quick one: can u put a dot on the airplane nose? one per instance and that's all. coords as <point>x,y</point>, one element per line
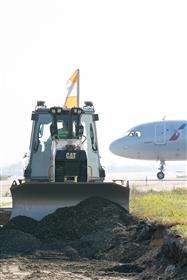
<point>117,146</point>
<point>113,147</point>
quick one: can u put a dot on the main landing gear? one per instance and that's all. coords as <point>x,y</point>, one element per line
<point>160,174</point>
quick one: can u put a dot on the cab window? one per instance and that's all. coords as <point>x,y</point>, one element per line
<point>134,133</point>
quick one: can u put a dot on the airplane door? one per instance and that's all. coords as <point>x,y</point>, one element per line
<point>160,134</point>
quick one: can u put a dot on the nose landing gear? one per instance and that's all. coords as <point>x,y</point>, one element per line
<point>160,174</point>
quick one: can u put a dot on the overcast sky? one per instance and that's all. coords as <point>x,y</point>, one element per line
<point>131,55</point>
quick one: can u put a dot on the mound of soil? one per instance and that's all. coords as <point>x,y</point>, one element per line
<point>17,242</point>
<point>175,249</point>
<point>95,229</point>
<point>87,227</point>
<point>88,217</point>
<point>22,223</point>
<point>92,228</point>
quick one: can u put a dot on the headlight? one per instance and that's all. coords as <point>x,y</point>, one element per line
<point>59,110</point>
<point>56,110</point>
<point>53,110</point>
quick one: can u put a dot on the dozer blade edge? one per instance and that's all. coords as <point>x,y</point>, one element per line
<point>38,199</point>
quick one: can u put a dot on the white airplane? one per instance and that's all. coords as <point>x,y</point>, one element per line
<point>162,140</point>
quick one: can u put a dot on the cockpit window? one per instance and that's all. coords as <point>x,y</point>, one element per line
<point>134,133</point>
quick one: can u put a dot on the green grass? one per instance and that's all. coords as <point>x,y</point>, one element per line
<point>181,230</point>
<point>5,204</point>
<point>168,208</point>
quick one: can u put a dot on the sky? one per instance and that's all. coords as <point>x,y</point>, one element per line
<point>132,57</point>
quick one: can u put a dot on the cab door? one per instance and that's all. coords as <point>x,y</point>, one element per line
<point>41,148</point>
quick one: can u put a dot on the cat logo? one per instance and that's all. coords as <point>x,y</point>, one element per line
<point>70,155</point>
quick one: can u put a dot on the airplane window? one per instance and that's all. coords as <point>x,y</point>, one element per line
<point>138,133</point>
<point>134,133</point>
<point>126,133</point>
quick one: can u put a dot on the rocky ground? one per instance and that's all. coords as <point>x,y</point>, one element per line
<point>96,239</point>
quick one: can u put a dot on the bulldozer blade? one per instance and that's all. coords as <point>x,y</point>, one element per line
<point>36,200</point>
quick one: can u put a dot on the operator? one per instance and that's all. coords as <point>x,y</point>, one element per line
<point>63,132</point>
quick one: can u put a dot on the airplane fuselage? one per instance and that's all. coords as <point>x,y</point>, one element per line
<point>163,141</point>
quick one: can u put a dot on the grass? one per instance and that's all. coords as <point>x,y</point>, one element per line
<point>168,208</point>
<point>5,204</point>
<point>181,230</point>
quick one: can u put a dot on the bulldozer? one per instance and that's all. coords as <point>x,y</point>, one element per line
<point>63,164</point>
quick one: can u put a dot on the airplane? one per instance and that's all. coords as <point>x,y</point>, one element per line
<point>163,141</point>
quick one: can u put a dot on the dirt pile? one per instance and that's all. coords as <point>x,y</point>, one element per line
<point>17,242</point>
<point>94,229</point>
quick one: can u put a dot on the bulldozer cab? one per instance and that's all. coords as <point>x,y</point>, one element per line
<point>58,128</point>
<point>53,124</point>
